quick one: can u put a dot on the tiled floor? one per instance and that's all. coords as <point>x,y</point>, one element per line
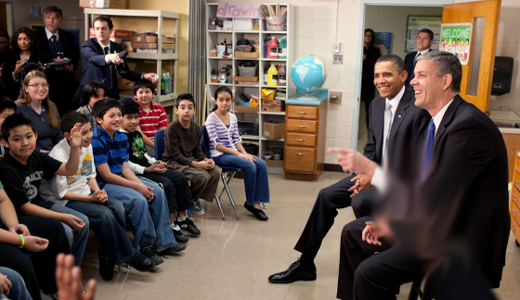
<point>232,259</point>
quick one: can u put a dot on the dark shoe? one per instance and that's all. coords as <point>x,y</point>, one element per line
<point>187,225</point>
<point>150,253</point>
<point>141,263</point>
<point>258,213</point>
<point>106,265</point>
<point>173,249</point>
<point>179,236</point>
<point>296,272</point>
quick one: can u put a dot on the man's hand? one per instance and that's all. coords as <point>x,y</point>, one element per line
<point>351,160</point>
<point>75,135</point>
<point>372,233</point>
<point>114,58</point>
<point>20,229</point>
<point>155,168</point>
<point>35,244</point>
<point>150,76</point>
<point>72,221</point>
<point>361,182</point>
<point>68,278</point>
<point>5,284</point>
<point>146,191</point>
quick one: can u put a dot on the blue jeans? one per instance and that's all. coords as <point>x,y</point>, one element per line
<point>18,291</point>
<point>255,176</point>
<point>77,238</point>
<point>108,221</point>
<point>150,220</point>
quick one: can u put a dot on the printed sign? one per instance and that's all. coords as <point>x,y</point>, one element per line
<point>456,38</point>
<point>415,24</point>
<point>239,11</point>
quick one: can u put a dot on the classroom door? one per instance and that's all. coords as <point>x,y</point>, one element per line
<point>477,75</point>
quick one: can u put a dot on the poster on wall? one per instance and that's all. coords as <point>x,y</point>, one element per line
<point>456,38</point>
<point>414,24</point>
<point>383,41</point>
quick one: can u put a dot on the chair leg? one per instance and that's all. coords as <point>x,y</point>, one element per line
<point>229,193</point>
<point>415,290</point>
<point>220,207</point>
<point>228,175</point>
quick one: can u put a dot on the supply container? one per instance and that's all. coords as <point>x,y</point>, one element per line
<point>275,23</point>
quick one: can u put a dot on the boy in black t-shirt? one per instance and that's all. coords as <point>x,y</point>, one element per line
<point>175,184</point>
<point>22,170</point>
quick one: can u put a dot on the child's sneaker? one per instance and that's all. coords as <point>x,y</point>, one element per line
<point>179,236</point>
<point>188,226</point>
<point>149,252</point>
<point>197,208</point>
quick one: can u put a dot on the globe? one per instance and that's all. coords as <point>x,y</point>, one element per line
<point>308,74</point>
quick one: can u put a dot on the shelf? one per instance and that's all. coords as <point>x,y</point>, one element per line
<point>220,58</point>
<point>275,32</point>
<point>220,84</point>
<point>274,86</point>
<point>282,113</point>
<point>133,13</point>
<point>280,140</point>
<point>166,97</point>
<point>250,137</point>
<point>274,59</point>
<point>247,85</point>
<point>246,31</point>
<point>220,31</point>
<point>153,56</point>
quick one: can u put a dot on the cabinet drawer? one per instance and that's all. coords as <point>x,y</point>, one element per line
<point>516,173</point>
<point>515,213</point>
<point>302,112</point>
<point>300,139</point>
<point>300,159</point>
<point>515,198</point>
<point>302,126</point>
<point>515,229</point>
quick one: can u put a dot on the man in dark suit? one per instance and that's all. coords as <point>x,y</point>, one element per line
<point>424,44</point>
<point>393,114</point>
<point>101,61</point>
<point>449,217</point>
<point>58,44</point>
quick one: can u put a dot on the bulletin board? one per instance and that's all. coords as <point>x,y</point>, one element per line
<point>414,24</point>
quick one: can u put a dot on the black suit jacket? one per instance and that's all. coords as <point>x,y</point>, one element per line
<point>464,198</point>
<point>94,68</point>
<point>408,121</point>
<point>67,45</point>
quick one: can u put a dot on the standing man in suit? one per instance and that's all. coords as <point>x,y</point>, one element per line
<point>59,44</point>
<point>101,61</point>
<point>393,114</point>
<point>424,44</point>
<point>452,213</point>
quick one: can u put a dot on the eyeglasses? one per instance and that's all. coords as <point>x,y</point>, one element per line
<point>37,86</point>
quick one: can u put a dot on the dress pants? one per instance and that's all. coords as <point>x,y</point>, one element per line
<point>176,189</point>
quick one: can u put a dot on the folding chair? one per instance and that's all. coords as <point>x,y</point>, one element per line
<point>227,174</point>
<point>159,144</point>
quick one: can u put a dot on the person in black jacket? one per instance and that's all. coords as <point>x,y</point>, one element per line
<point>59,44</point>
<point>370,56</point>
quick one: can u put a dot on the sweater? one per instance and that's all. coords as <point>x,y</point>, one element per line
<point>182,145</point>
<point>218,133</point>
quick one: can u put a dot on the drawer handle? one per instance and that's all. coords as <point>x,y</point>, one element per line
<point>302,113</point>
<point>300,153</point>
<point>515,198</point>
<point>301,126</point>
<point>300,140</point>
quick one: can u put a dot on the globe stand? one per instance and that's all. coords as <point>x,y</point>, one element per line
<point>317,96</point>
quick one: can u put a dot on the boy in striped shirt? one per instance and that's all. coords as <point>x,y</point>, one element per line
<point>152,117</point>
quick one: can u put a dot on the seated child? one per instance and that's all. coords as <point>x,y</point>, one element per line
<point>144,202</point>
<point>183,151</point>
<point>226,149</point>
<point>7,108</point>
<point>92,93</point>
<point>81,192</point>
<point>22,170</point>
<point>175,184</point>
<point>152,117</point>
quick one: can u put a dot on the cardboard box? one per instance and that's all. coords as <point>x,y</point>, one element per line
<point>121,4</point>
<point>168,46</point>
<point>246,54</point>
<point>116,33</point>
<point>274,162</point>
<point>125,84</point>
<point>246,109</point>
<point>139,38</point>
<point>168,39</point>
<point>273,105</point>
<point>144,45</point>
<point>273,131</point>
<point>243,24</point>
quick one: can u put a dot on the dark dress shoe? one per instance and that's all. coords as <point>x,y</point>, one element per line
<point>258,213</point>
<point>296,272</point>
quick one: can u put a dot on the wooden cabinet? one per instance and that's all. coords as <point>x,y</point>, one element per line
<point>305,127</point>
<point>514,203</point>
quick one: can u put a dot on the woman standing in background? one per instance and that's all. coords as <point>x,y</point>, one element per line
<point>370,56</point>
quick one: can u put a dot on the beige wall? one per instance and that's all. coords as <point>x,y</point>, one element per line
<point>393,19</point>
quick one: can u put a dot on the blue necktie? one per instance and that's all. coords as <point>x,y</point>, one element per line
<point>412,75</point>
<point>428,150</point>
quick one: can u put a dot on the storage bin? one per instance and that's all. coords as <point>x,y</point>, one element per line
<point>247,71</point>
<point>251,148</point>
<point>275,23</point>
<point>247,128</point>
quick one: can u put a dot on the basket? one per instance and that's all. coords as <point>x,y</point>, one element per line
<point>275,23</point>
<point>247,71</point>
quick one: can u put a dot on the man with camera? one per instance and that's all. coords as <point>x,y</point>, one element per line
<point>59,44</point>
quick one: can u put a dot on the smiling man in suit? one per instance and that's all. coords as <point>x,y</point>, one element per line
<point>392,114</point>
<point>101,61</point>
<point>59,44</point>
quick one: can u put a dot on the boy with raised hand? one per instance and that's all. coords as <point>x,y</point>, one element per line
<point>23,169</point>
<point>183,151</point>
<point>81,192</point>
<point>175,184</point>
<point>144,202</point>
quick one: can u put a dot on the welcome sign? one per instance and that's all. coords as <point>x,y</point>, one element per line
<point>456,38</point>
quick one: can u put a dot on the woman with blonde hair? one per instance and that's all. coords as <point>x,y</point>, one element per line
<point>34,104</point>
